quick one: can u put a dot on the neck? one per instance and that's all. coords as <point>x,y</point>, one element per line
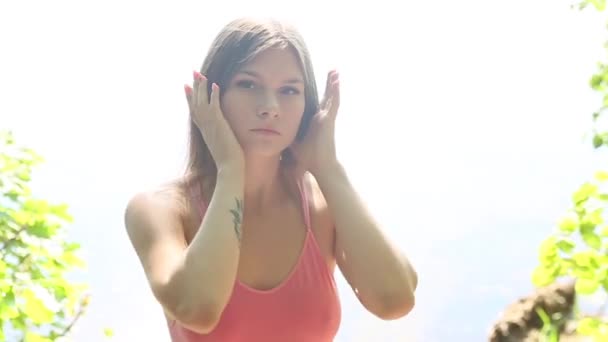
<point>262,182</point>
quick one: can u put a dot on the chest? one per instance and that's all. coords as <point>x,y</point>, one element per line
<point>301,313</point>
<point>271,247</point>
<point>272,244</point>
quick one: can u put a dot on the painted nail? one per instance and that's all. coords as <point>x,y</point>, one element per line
<point>188,89</point>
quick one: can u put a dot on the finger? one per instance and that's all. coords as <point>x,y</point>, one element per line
<point>200,90</point>
<point>326,94</point>
<point>335,98</point>
<point>214,103</point>
<point>188,91</point>
<point>195,83</point>
<point>328,82</point>
<point>336,90</point>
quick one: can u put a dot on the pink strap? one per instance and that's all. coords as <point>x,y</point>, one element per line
<point>305,206</point>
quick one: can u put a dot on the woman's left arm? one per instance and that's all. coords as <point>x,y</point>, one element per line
<point>380,275</point>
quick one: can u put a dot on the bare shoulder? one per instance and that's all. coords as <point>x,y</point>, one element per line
<point>154,217</point>
<point>166,199</point>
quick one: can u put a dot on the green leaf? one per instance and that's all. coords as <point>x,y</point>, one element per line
<point>586,259</point>
<point>599,5</point>
<point>597,141</point>
<point>565,245</point>
<point>3,269</point>
<point>542,276</point>
<point>107,332</point>
<point>595,82</point>
<point>19,322</point>
<point>569,223</point>
<point>586,286</point>
<point>587,227</point>
<point>548,251</point>
<point>42,229</point>
<point>605,283</point>
<point>595,217</point>
<point>71,246</point>
<point>601,176</point>
<point>592,240</point>
<point>588,326</point>
<point>583,272</point>
<point>71,259</point>
<point>8,309</point>
<point>604,231</point>
<point>21,218</point>
<point>34,337</point>
<point>60,290</point>
<point>36,206</point>
<point>584,192</point>
<point>24,176</point>
<point>35,308</point>
<point>61,211</point>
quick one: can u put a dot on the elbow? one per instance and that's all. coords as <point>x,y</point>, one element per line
<point>200,316</point>
<point>394,306</point>
<point>201,319</point>
<point>396,301</point>
<point>413,280</point>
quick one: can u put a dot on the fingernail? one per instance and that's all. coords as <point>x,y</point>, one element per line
<point>215,87</point>
<point>188,89</point>
<point>197,76</point>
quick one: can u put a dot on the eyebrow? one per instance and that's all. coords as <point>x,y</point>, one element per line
<point>256,75</point>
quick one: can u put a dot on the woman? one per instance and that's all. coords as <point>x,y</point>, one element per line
<point>243,248</point>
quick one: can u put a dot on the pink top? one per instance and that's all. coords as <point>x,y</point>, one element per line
<point>303,308</point>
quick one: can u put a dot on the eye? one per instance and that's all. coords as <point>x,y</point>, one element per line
<point>290,91</point>
<point>247,84</point>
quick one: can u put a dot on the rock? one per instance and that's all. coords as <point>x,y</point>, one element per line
<point>520,321</point>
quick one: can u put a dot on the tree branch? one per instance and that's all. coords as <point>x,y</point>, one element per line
<point>9,242</point>
<point>68,328</point>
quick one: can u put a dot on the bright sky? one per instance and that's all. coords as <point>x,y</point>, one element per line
<point>461,123</point>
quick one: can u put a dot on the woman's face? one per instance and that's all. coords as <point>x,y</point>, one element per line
<point>264,102</point>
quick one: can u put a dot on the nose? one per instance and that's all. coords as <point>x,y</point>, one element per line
<point>268,105</point>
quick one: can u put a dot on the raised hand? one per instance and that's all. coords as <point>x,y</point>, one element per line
<point>318,149</point>
<point>206,113</point>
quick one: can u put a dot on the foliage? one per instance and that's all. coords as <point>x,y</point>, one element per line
<point>579,247</point>
<point>37,301</point>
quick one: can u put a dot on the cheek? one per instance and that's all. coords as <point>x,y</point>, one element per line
<point>294,110</point>
<point>233,107</point>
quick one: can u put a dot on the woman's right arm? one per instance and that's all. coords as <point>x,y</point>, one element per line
<point>192,282</point>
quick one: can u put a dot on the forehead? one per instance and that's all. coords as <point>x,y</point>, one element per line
<point>275,62</point>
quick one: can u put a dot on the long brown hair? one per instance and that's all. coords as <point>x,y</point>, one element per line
<point>239,42</point>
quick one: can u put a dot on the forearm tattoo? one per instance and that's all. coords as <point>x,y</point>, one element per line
<point>237,218</point>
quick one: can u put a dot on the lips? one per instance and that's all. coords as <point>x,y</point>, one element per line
<point>268,131</point>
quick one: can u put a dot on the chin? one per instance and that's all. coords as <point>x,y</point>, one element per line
<point>264,153</point>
